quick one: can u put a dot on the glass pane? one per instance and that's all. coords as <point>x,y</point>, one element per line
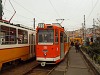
<point>8,35</point>
<point>22,36</point>
<point>46,36</point>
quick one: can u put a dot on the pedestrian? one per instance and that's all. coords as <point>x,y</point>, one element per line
<point>72,43</point>
<point>77,48</point>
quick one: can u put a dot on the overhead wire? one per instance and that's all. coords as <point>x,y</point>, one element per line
<point>12,5</point>
<point>27,10</point>
<point>92,9</point>
<point>24,22</point>
<point>14,10</point>
<point>19,15</point>
<point>13,13</point>
<point>32,12</point>
<point>54,9</point>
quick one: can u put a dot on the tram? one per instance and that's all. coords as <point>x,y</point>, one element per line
<point>52,43</point>
<point>79,39</point>
<point>16,43</point>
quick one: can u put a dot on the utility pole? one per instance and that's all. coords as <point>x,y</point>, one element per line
<point>1,10</point>
<point>34,23</point>
<point>84,32</point>
<point>99,26</point>
<point>94,33</point>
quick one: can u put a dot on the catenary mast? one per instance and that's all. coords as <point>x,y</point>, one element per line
<point>1,10</point>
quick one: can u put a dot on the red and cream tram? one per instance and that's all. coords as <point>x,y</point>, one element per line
<point>52,43</point>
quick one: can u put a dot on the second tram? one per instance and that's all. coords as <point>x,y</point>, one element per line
<point>16,43</point>
<point>79,39</point>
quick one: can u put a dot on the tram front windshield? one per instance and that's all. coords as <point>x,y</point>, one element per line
<point>45,36</point>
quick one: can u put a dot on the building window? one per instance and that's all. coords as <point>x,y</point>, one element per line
<point>22,36</point>
<point>7,35</point>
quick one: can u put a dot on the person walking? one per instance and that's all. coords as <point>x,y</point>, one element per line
<point>72,43</point>
<point>77,48</point>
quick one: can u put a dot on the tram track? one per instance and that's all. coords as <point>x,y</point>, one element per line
<point>30,68</point>
<point>39,70</point>
<point>19,69</point>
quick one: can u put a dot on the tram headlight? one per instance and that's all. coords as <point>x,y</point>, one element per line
<point>45,54</point>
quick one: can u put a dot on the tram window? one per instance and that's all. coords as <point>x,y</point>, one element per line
<point>65,38</point>
<point>45,36</point>
<point>8,35</point>
<point>22,36</point>
<point>68,39</point>
<point>2,39</point>
<point>61,37</point>
<point>56,36</point>
<point>40,38</point>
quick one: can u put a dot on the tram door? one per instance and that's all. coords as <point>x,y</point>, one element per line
<point>31,45</point>
<point>61,45</point>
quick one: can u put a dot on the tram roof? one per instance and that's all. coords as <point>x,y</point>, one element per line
<point>16,25</point>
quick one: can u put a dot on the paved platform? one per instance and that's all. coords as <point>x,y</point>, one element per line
<point>76,65</point>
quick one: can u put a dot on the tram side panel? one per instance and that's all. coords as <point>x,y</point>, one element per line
<point>66,44</point>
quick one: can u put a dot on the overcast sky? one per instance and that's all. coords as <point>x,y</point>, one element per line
<point>47,11</point>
